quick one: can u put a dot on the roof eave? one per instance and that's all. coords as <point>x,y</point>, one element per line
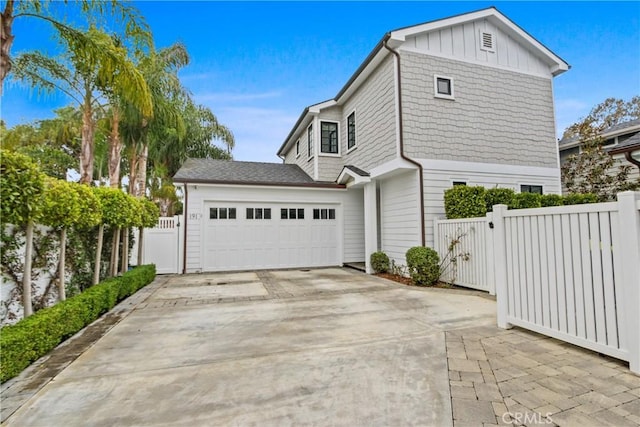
<point>186,181</point>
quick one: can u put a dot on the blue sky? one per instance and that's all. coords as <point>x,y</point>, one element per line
<point>257,65</point>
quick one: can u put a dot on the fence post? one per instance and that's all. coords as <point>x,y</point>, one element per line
<point>436,237</point>
<point>500,266</point>
<point>629,254</point>
<point>489,248</point>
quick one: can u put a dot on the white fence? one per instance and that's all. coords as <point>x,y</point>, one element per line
<point>570,272</point>
<point>162,245</point>
<point>455,239</point>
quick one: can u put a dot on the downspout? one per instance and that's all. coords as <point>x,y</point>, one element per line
<point>401,140</point>
<point>184,240</point>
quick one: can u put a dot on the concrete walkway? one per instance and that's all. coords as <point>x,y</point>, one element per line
<point>319,347</point>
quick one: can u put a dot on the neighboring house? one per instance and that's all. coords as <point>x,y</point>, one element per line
<point>622,141</point>
<point>462,100</point>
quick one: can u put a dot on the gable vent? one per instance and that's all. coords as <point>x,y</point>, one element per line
<point>487,41</point>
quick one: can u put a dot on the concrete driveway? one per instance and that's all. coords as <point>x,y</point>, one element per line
<point>318,347</point>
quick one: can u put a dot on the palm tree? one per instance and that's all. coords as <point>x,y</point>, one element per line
<point>134,26</point>
<point>86,72</point>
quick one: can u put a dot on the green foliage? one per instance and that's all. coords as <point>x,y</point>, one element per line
<point>89,206</point>
<point>525,201</point>
<point>150,213</point>
<point>34,336</point>
<point>579,199</point>
<point>21,188</point>
<point>462,201</point>
<point>551,200</point>
<point>118,209</point>
<point>61,204</point>
<point>498,196</point>
<point>595,171</point>
<point>380,262</point>
<point>424,265</point>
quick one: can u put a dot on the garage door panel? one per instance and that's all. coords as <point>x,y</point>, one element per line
<point>283,241</point>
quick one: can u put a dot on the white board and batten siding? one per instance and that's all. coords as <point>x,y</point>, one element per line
<point>439,176</point>
<point>399,215</point>
<point>463,42</point>
<point>242,243</point>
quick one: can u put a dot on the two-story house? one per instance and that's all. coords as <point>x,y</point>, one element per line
<point>462,100</point>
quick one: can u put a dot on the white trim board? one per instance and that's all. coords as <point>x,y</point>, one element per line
<point>494,168</point>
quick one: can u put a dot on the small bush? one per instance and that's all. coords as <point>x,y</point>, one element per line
<point>525,201</point>
<point>579,199</point>
<point>550,200</point>
<point>498,196</point>
<point>465,202</point>
<point>36,335</point>
<point>424,265</point>
<point>380,262</point>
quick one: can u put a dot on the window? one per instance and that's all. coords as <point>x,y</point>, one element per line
<point>258,213</point>
<point>310,141</point>
<point>292,213</point>
<point>443,87</point>
<point>222,213</point>
<point>531,189</point>
<point>324,214</point>
<point>329,137</point>
<point>455,183</point>
<point>297,148</point>
<point>351,131</point>
<point>487,41</point>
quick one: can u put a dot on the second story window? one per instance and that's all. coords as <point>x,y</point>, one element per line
<point>351,131</point>
<point>329,137</point>
<point>297,148</point>
<point>310,141</point>
<point>443,87</point>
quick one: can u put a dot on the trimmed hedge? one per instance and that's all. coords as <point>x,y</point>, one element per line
<point>498,196</point>
<point>551,200</point>
<point>465,202</point>
<point>424,265</point>
<point>526,201</point>
<point>36,335</point>
<point>380,262</point>
<point>580,199</point>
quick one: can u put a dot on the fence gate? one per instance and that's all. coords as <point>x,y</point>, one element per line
<point>465,247</point>
<point>162,245</point>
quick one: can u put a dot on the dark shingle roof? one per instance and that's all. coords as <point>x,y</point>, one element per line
<point>614,128</point>
<point>233,172</point>
<point>357,170</point>
<point>633,142</point>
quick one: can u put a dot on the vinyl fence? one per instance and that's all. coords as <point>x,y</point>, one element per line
<point>570,272</point>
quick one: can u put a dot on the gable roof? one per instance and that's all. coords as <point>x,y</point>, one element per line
<point>213,171</point>
<point>631,144</point>
<point>395,38</point>
<point>615,130</point>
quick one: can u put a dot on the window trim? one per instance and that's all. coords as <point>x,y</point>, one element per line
<point>437,94</point>
<point>520,185</point>
<point>326,154</point>
<point>310,141</point>
<point>298,148</point>
<point>355,131</point>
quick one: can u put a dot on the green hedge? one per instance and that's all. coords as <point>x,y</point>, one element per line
<point>380,262</point>
<point>465,202</point>
<point>424,265</point>
<point>526,201</point>
<point>33,337</point>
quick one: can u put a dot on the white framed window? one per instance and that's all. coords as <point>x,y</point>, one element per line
<point>528,188</point>
<point>310,141</point>
<point>487,41</point>
<point>351,131</point>
<point>443,87</point>
<point>297,149</point>
<point>329,138</point>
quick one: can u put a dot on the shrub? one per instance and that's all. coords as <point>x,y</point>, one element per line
<point>579,199</point>
<point>525,201</point>
<point>36,335</point>
<point>550,200</point>
<point>380,262</point>
<point>424,265</point>
<point>498,196</point>
<point>464,202</point>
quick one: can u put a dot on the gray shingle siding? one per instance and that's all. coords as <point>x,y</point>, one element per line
<point>498,116</point>
<point>303,160</point>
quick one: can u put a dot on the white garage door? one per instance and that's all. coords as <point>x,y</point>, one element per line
<point>245,236</point>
